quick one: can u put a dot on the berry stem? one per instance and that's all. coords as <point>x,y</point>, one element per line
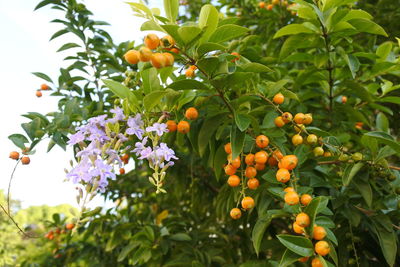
<point>9,186</point>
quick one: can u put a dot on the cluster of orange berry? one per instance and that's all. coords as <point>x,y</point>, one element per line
<point>125,160</point>
<point>25,160</point>
<point>51,234</point>
<point>43,87</point>
<point>272,4</point>
<point>157,59</point>
<point>183,126</point>
<point>190,72</point>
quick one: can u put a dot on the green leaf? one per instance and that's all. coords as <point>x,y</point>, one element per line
<point>297,244</point>
<point>171,8</point>
<point>208,47</point>
<point>150,79</point>
<point>127,249</point>
<point>208,128</point>
<point>67,46</point>
<point>350,171</point>
<point>357,14</point>
<point>237,141</point>
<point>242,121</point>
<point>384,50</point>
<point>368,26</point>
<point>387,239</point>
<point>181,237</point>
<point>353,64</point>
<point>254,67</point>
<point>43,76</point>
<point>122,92</point>
<point>390,99</point>
<point>365,189</point>
<point>208,21</point>
<point>189,33</point>
<point>335,3</point>
<point>227,32</point>
<point>312,210</point>
<point>19,140</point>
<point>385,139</point>
<point>153,99</point>
<point>187,85</point>
<point>382,122</point>
<point>292,29</point>
<point>288,258</point>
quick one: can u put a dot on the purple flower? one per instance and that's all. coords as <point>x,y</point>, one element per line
<point>103,170</point>
<point>135,125</point>
<point>146,153</point>
<point>97,134</point>
<point>76,138</point>
<point>99,120</point>
<point>81,172</point>
<point>139,146</point>
<point>113,156</point>
<point>90,150</point>
<point>159,128</point>
<point>165,153</point>
<point>119,115</point>
<point>122,137</point>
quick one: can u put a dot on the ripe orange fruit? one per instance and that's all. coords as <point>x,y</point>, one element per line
<point>319,232</point>
<point>151,41</point>
<point>228,148</point>
<point>132,56</point>
<point>278,154</point>
<point>25,160</point>
<point>171,125</point>
<point>272,161</point>
<point>297,139</point>
<point>261,157</point>
<point>122,171</point>
<point>318,151</point>
<point>237,56</point>
<point>344,99</point>
<point>279,122</point>
<point>39,93</point>
<point>299,118</point>
<point>249,159</point>
<point>316,263</point>
<point>283,175</point>
<point>250,172</point>
<point>278,98</point>
<point>167,41</point>
<point>259,166</point>
<point>14,155</point>
<point>158,60</point>
<point>44,87</point>
<point>270,7</point>
<point>359,125</point>
<point>305,199</point>
<point>298,229</point>
<point>189,73</point>
<point>183,127</point>
<point>322,248</point>
<point>262,141</point>
<point>69,226</point>
<point>191,113</point>
<point>247,203</point>
<point>288,189</point>
<point>287,117</point>
<point>288,162</point>
<point>174,50</point>
<point>327,154</point>
<point>233,180</point>
<point>235,213</point>
<point>230,170</point>
<point>253,183</point>
<point>145,54</point>
<point>292,198</point>
<point>308,119</point>
<point>125,157</point>
<point>304,259</point>
<point>302,219</point>
<point>236,162</point>
<point>261,4</point>
<point>169,59</point>
<point>193,67</point>
<point>299,128</point>
<point>312,139</point>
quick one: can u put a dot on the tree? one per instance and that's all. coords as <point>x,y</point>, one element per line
<point>300,95</point>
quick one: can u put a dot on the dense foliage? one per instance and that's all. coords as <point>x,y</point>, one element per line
<point>244,65</point>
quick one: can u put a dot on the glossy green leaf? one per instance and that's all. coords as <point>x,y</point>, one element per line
<point>180,237</point>
<point>386,139</point>
<point>19,140</point>
<point>189,33</point>
<point>254,67</point>
<point>297,244</point>
<point>152,99</point>
<point>368,26</point>
<point>187,85</point>
<point>171,8</point>
<point>208,128</point>
<point>292,29</point>
<point>288,258</point>
<point>350,171</point>
<point>122,91</point>
<point>42,76</point>
<point>208,47</point>
<point>208,20</point>
<point>242,121</point>
<point>227,32</point>
<point>237,141</point>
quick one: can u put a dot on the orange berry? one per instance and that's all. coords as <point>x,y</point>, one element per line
<point>283,175</point>
<point>193,67</point>
<point>305,199</point>
<point>132,56</point>
<point>189,73</point>
<point>261,5</point>
<point>327,154</point>
<point>44,87</point>
<point>69,226</point>
<point>122,171</point>
<point>278,154</point>
<point>39,93</point>
<point>230,170</point>
<point>169,59</point>
<point>235,213</point>
<point>167,41</point>
<point>261,157</point>
<point>152,41</point>
<point>14,155</point>
<point>291,198</point>
<point>298,229</point>
<point>183,127</point>
<point>304,259</point>
<point>316,263</point>
<point>158,60</point>
<point>25,160</point>
<point>288,189</point>
<point>145,54</point>
<point>191,113</point>
<point>297,139</point>
<point>125,157</point>
<point>171,125</point>
<point>272,161</point>
<point>322,248</point>
<point>302,219</point>
<point>279,122</point>
<point>262,141</point>
<point>175,50</point>
<point>259,166</point>
<point>253,183</point>
<point>270,7</point>
<point>228,148</point>
<point>233,180</point>
<point>344,99</point>
<point>237,56</point>
<point>307,119</point>
<point>236,162</point>
<point>250,172</point>
<point>278,99</point>
<point>359,125</point>
<point>247,203</point>
<point>319,232</point>
<point>299,118</point>
<point>287,117</point>
<point>249,159</point>
<point>288,162</point>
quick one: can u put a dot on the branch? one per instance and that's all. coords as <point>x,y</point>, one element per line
<point>9,186</point>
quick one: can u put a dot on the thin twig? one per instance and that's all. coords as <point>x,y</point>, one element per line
<point>354,246</point>
<point>9,186</point>
<point>15,223</point>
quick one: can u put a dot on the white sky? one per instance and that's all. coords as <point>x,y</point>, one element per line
<point>24,48</point>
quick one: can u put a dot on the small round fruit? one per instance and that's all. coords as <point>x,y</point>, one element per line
<point>253,183</point>
<point>288,162</point>
<point>39,93</point>
<point>279,122</point>
<point>230,170</point>
<point>167,41</point>
<point>259,166</point>
<point>316,262</point>
<point>318,151</point>
<point>288,189</point>
<point>261,5</point>
<point>25,160</point>
<point>174,50</point>
<point>169,59</point>
<point>152,41</point>
<point>247,203</point>
<point>249,159</point>
<point>344,157</point>
<point>250,172</point>
<point>283,175</point>
<point>344,99</point>
<point>228,148</point>
<point>302,219</point>
<point>261,157</point>
<point>357,156</point>
<point>319,233</point>
<point>262,141</point>
<point>297,139</point>
<point>298,229</point>
<point>305,199</point>
<point>322,248</point>
<point>193,67</point>
<point>272,161</point>
<point>122,171</point>
<point>235,213</point>
<point>292,198</point>
<point>278,98</point>
<point>278,154</point>
<point>236,162</point>
<point>275,2</point>
<point>304,259</point>
<point>270,7</point>
<point>299,128</point>
<point>327,154</point>
<point>158,60</point>
<point>299,118</point>
<point>312,139</point>
<point>69,226</point>
<point>14,155</point>
<point>233,181</point>
<point>44,87</point>
<point>189,73</point>
<point>191,113</point>
<point>307,119</point>
<point>287,117</point>
<point>171,126</point>
<point>237,56</point>
<point>132,56</point>
<point>183,127</point>
<point>145,54</point>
